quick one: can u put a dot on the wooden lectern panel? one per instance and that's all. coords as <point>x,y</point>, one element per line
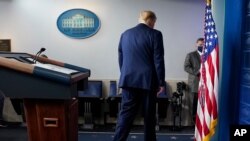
<point>55,120</point>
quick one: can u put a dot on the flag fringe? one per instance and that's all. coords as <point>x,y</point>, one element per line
<point>211,129</point>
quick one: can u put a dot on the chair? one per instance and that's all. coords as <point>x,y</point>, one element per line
<point>90,101</point>
<point>162,102</point>
<point>113,100</point>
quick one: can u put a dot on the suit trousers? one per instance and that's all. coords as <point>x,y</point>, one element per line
<point>132,98</point>
<point>195,102</point>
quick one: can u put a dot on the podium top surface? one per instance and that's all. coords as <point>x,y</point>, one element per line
<point>47,79</point>
<point>45,68</point>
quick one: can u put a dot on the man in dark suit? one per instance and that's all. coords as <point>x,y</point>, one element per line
<point>141,61</point>
<point>192,67</point>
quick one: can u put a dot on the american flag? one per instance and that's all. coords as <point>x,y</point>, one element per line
<point>207,107</point>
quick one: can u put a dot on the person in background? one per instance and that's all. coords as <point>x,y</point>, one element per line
<point>142,67</point>
<point>192,66</point>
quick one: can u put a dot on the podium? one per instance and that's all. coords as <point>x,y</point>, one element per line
<point>49,90</point>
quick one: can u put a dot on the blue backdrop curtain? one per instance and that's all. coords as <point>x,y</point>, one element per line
<point>232,92</point>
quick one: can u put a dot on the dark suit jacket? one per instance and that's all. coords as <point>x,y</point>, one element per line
<point>192,67</point>
<point>141,58</point>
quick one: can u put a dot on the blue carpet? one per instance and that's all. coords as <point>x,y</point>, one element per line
<point>20,134</point>
<point>108,136</point>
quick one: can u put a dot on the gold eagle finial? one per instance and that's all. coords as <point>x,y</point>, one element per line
<point>209,2</point>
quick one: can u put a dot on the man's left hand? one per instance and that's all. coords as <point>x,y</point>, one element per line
<point>161,89</point>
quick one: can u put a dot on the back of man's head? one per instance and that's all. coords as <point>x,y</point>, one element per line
<point>200,39</point>
<point>147,17</point>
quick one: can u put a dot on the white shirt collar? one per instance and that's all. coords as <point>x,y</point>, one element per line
<point>200,53</point>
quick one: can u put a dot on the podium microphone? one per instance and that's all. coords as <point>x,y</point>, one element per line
<point>38,54</point>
